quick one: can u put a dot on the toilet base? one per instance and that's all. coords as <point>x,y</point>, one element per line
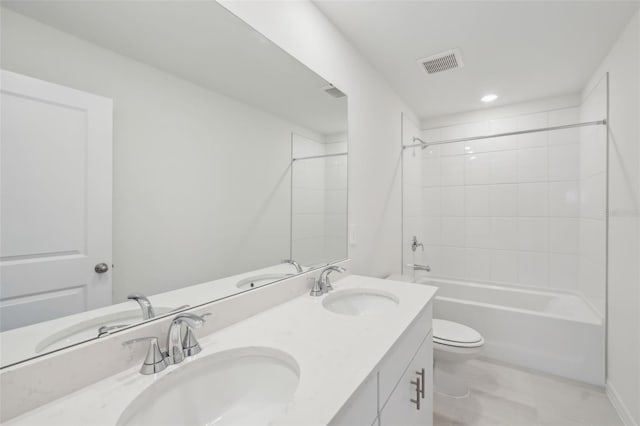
<point>448,384</point>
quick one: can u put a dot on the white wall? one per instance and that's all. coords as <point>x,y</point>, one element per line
<point>505,210</point>
<point>374,124</point>
<point>623,304</point>
<point>201,181</point>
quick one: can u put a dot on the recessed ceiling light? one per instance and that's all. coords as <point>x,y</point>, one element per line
<point>489,98</point>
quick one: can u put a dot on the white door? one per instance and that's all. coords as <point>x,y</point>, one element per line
<point>55,195</point>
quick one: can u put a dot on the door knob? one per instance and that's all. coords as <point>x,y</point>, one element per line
<point>101,268</point>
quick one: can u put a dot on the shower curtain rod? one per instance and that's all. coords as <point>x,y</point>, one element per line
<point>311,157</point>
<point>424,144</point>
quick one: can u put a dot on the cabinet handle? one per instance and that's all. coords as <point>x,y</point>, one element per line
<point>416,401</point>
<point>422,382</point>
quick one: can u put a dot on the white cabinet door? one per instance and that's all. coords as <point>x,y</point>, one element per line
<point>411,403</point>
<point>55,195</point>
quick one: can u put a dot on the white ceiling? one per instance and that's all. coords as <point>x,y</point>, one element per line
<point>520,50</point>
<point>202,42</point>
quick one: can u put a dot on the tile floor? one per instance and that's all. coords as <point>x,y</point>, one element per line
<point>502,395</point>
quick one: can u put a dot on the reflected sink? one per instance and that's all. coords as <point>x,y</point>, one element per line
<point>359,301</point>
<point>246,386</point>
<point>260,280</point>
<point>85,330</point>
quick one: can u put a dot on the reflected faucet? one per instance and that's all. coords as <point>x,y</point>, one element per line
<point>145,305</point>
<point>295,265</point>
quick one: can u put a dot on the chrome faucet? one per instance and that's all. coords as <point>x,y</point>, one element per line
<point>323,284</point>
<point>415,244</point>
<point>295,265</point>
<point>154,361</point>
<point>418,267</point>
<point>177,347</point>
<point>145,305</point>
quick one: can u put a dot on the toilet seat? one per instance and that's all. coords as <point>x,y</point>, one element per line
<point>449,333</point>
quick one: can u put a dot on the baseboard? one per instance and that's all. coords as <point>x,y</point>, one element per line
<point>620,407</point>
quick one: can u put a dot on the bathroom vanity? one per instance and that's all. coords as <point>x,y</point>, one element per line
<point>359,355</point>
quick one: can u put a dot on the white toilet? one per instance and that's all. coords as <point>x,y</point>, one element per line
<point>453,344</point>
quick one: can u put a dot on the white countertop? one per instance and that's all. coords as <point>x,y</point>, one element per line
<point>335,354</point>
<point>22,343</point>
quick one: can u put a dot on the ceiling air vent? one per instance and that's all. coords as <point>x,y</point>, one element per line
<point>333,91</point>
<point>443,61</point>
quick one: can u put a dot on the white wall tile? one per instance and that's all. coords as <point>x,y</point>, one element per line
<point>452,149</point>
<point>498,208</point>
<point>432,256</point>
<point>533,268</point>
<point>476,169</point>
<point>431,201</point>
<point>533,233</point>
<point>504,233</point>
<point>477,264</point>
<point>452,200</point>
<point>593,196</point>
<point>563,235</point>
<point>503,200</point>
<point>564,199</point>
<point>530,122</point>
<point>503,167</point>
<point>452,171</point>
<point>477,200</point>
<point>503,125</point>
<point>504,266</point>
<point>532,165</point>
<point>563,271</point>
<point>478,232</point>
<point>563,117</point>
<point>452,262</point>
<point>533,199</point>
<point>453,231</point>
<point>489,145</point>
<point>564,162</point>
<point>431,231</point>
<point>431,172</point>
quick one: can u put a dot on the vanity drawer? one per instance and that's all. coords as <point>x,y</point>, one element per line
<point>396,361</point>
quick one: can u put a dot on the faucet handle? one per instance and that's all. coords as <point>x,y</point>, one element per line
<point>154,361</point>
<point>192,320</point>
<point>190,345</point>
<point>177,348</point>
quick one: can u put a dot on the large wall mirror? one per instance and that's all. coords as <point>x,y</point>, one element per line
<point>155,156</point>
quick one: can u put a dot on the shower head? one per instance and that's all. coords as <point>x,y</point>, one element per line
<point>423,144</point>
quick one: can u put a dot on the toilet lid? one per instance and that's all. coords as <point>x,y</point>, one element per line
<point>453,332</point>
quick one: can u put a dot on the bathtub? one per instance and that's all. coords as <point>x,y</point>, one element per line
<point>553,332</point>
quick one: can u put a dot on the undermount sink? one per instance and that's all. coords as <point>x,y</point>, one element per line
<point>85,330</point>
<point>260,280</point>
<point>359,301</point>
<point>246,386</point>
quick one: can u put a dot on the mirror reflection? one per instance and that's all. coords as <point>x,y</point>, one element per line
<point>155,156</point>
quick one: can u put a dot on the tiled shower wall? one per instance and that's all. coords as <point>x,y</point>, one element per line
<point>319,200</point>
<point>507,209</point>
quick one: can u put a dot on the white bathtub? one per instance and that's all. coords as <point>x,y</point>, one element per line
<point>554,332</point>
